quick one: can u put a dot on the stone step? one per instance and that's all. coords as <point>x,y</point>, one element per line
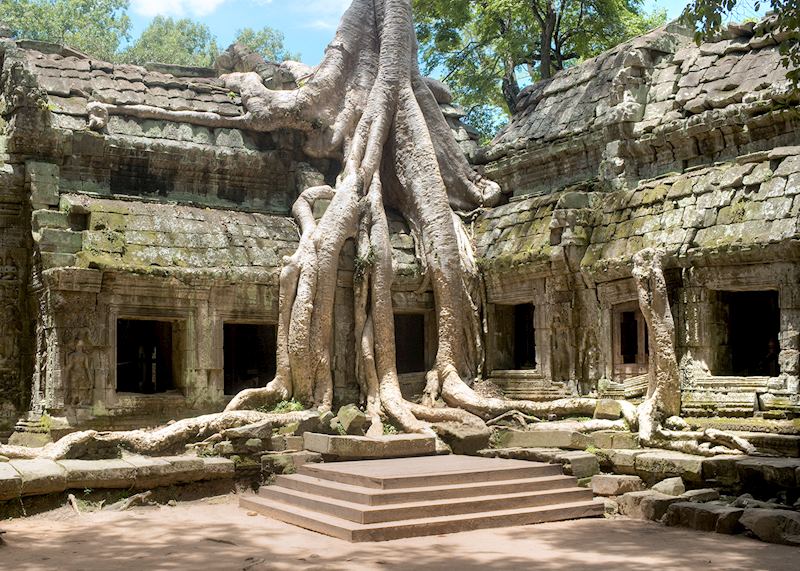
<point>357,532</point>
<point>376,497</point>
<point>360,513</point>
<point>427,471</point>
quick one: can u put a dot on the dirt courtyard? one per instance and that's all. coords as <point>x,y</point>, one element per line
<point>214,533</point>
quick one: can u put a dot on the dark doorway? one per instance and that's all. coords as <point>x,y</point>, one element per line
<point>753,324</point>
<point>524,337</point>
<point>144,356</point>
<point>409,336</point>
<point>249,353</point>
<point>629,341</point>
<point>514,337</point>
<point>629,337</point>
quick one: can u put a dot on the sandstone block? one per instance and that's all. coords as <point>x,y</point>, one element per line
<point>461,438</point>
<point>579,464</point>
<point>653,466</point>
<point>768,473</point>
<point>621,461</point>
<point>614,439</point>
<point>721,471</point>
<point>773,526</point>
<point>352,420</point>
<point>10,482</point>
<point>352,447</point>
<point>543,439</point>
<point>646,504</point>
<point>704,517</point>
<point>99,473</point>
<point>615,485</point>
<point>40,476</point>
<point>287,462</point>
<point>670,487</point>
<point>218,468</point>
<point>608,409</point>
<point>701,495</point>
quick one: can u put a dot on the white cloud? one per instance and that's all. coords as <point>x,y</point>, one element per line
<point>325,14</point>
<point>175,7</point>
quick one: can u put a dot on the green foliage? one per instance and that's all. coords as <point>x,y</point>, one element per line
<point>100,27</point>
<point>707,17</point>
<point>485,51</point>
<point>389,429</point>
<point>284,406</point>
<point>96,27</point>
<point>267,42</point>
<point>180,42</point>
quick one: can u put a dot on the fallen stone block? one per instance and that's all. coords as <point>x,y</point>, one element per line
<point>608,409</point>
<point>218,468</point>
<point>764,475</point>
<point>619,461</point>
<point>284,443</point>
<point>670,487</point>
<point>646,504</point>
<point>773,526</point>
<point>615,485</point>
<point>704,517</point>
<point>654,466</point>
<point>352,420</point>
<point>40,476</point>
<point>462,438</point>
<point>543,439</point>
<point>287,462</point>
<point>99,473</point>
<point>362,447</point>
<point>721,471</point>
<point>10,482</point>
<point>579,464</point>
<point>611,439</point>
<point>701,495</point>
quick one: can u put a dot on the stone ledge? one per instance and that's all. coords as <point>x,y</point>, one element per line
<point>363,447</point>
<point>39,477</point>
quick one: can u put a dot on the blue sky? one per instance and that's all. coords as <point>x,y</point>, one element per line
<point>307,24</point>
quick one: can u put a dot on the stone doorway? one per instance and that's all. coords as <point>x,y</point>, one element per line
<point>748,328</point>
<point>249,355</point>
<point>630,343</point>
<point>409,334</point>
<point>145,360</point>
<point>514,337</point>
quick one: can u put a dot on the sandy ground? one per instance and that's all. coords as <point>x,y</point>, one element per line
<point>214,533</point>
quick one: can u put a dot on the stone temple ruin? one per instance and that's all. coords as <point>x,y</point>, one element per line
<point>139,257</point>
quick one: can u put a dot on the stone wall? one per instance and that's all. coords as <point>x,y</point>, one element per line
<point>658,143</point>
<point>653,105</point>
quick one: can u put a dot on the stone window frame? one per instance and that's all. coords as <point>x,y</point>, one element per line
<point>232,317</point>
<point>612,295</point>
<point>732,278</point>
<point>407,302</point>
<point>516,288</point>
<point>183,346</point>
<point>621,370</point>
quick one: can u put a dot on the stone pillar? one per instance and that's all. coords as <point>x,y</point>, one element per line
<point>789,336</point>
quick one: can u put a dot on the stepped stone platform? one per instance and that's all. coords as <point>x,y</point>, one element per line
<point>378,500</point>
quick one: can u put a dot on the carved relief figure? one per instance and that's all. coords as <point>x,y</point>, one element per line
<point>78,373</point>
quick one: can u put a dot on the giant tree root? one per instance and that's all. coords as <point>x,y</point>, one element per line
<point>163,440</point>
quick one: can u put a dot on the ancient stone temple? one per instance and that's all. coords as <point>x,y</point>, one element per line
<point>139,257</point>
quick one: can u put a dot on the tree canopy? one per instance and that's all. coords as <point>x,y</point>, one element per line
<point>96,27</point>
<point>707,18</point>
<point>166,40</point>
<point>102,27</point>
<point>486,50</point>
